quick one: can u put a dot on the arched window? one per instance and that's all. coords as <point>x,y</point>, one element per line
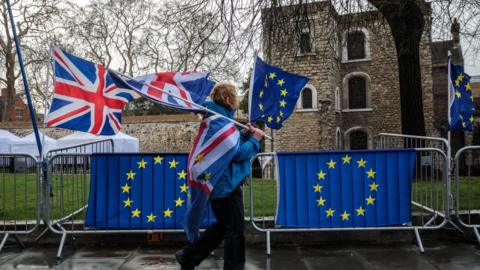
<point>357,93</point>
<point>356,45</point>
<point>307,98</point>
<point>358,140</point>
<point>305,42</point>
<point>338,138</point>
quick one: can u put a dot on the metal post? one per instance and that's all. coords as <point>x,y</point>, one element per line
<point>4,240</point>
<point>269,250</point>
<point>419,240</point>
<point>24,77</point>
<point>62,243</point>
<point>477,234</point>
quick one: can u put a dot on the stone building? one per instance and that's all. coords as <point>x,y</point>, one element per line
<point>354,91</point>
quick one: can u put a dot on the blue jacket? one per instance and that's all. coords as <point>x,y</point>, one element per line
<point>239,168</point>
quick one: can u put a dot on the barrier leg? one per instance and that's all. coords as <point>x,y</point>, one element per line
<point>40,236</point>
<point>4,240</point>
<point>20,243</point>
<point>419,240</point>
<point>62,243</point>
<point>269,251</point>
<point>477,234</point>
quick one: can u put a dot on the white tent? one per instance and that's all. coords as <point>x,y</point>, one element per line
<point>28,144</point>
<point>121,141</point>
<point>6,139</point>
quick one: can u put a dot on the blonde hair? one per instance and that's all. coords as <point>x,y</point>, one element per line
<point>221,92</point>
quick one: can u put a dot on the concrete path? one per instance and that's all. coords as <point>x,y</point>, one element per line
<point>438,255</point>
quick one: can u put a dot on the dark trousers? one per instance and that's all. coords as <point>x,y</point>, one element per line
<point>229,227</point>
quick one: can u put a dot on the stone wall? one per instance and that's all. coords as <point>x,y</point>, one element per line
<point>159,133</point>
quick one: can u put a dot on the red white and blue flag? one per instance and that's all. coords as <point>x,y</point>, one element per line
<point>214,147</point>
<point>180,90</point>
<point>85,97</point>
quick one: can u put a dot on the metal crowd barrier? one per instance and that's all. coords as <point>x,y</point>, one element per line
<point>467,188</point>
<point>100,146</point>
<point>430,206</point>
<point>392,141</point>
<point>19,195</point>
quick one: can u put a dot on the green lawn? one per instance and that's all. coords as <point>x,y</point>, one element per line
<point>15,205</point>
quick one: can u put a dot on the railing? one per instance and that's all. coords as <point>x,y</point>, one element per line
<point>19,195</point>
<point>395,141</point>
<point>100,146</point>
<point>430,206</point>
<point>467,188</point>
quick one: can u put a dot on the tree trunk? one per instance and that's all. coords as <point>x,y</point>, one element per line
<point>406,21</point>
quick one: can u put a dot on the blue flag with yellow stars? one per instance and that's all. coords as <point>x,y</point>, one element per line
<point>340,189</point>
<point>273,94</point>
<point>139,191</point>
<point>461,98</point>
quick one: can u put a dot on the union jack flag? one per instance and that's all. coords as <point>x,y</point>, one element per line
<point>191,87</point>
<point>214,147</point>
<point>85,97</point>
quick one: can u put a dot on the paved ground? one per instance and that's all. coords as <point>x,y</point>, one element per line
<point>438,255</point>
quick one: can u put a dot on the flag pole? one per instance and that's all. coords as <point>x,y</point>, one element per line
<point>449,135</point>
<point>197,106</point>
<point>24,77</point>
<point>250,91</point>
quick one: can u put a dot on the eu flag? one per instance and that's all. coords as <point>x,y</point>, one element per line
<point>461,106</point>
<point>345,188</point>
<point>274,94</point>
<point>138,191</point>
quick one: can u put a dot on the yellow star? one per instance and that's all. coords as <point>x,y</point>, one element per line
<point>207,176</point>
<point>173,163</point>
<point>199,158</point>
<point>127,202</point>
<point>266,84</point>
<point>471,98</point>
<point>283,92</point>
<point>321,175</point>
<point>458,94</point>
<point>360,211</point>
<point>329,212</point>
<point>346,159</point>
<point>468,87</point>
<point>142,164</point>
<point>373,186</point>
<point>158,159</point>
<point>278,119</point>
<point>317,188</point>
<point>151,218</point>
<point>370,200</point>
<point>281,114</point>
<point>260,106</point>
<point>457,83</point>
<point>460,77</point>
<point>331,164</point>
<point>179,202</point>
<point>371,173</point>
<point>280,82</point>
<point>283,103</point>
<point>272,75</point>
<point>321,202</point>
<point>261,94</point>
<point>126,188</point>
<point>345,215</point>
<point>136,213</point>
<point>130,175</point>
<point>464,125</point>
<point>472,119</point>
<point>182,175</point>
<point>183,188</point>
<point>269,119</point>
<point>167,213</point>
<point>361,163</point>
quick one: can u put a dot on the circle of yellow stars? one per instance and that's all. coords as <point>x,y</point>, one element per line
<point>322,174</point>
<point>271,77</point>
<point>130,177</point>
<point>464,82</point>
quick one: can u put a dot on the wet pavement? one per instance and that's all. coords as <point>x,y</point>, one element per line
<point>438,255</point>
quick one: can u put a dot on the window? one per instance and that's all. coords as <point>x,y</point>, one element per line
<point>307,98</point>
<point>305,43</point>
<point>356,45</point>
<point>358,140</point>
<point>357,94</point>
<point>338,138</point>
<point>338,105</point>
<point>19,113</point>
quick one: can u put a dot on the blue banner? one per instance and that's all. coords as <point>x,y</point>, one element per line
<point>345,188</point>
<point>139,191</point>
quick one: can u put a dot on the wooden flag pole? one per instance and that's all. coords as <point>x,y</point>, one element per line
<point>197,106</point>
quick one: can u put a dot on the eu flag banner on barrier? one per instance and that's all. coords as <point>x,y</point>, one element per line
<point>273,94</point>
<point>139,191</point>
<point>461,98</point>
<point>345,188</point>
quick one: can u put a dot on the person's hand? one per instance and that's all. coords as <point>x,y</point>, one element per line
<point>248,130</point>
<point>257,133</point>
